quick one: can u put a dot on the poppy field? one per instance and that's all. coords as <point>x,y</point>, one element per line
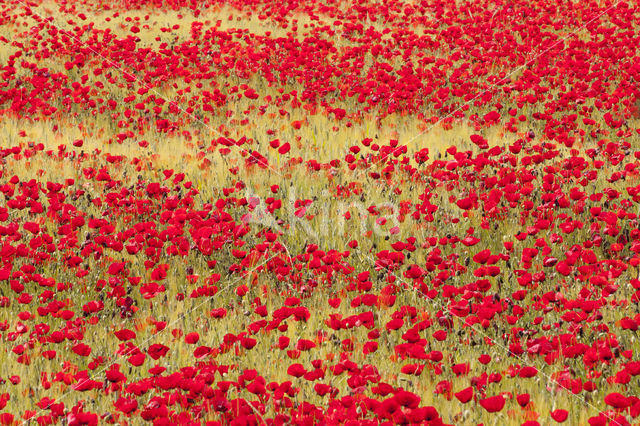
<point>319,212</point>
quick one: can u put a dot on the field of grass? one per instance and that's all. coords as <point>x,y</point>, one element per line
<point>303,212</point>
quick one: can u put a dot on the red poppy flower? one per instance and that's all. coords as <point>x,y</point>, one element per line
<point>493,404</point>
<point>464,395</point>
<point>201,351</point>
<point>192,338</point>
<point>157,350</point>
<point>523,399</point>
<point>81,349</point>
<point>484,359</point>
<point>305,345</point>
<point>284,148</point>
<point>407,399</point>
<point>137,359</point>
<point>479,141</point>
<point>296,370</point>
<point>617,400</point>
<point>559,415</point>
<point>527,372</point>
<point>440,335</point>
<point>125,334</point>
<point>126,405</point>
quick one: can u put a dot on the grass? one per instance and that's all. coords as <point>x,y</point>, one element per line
<point>317,140</point>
